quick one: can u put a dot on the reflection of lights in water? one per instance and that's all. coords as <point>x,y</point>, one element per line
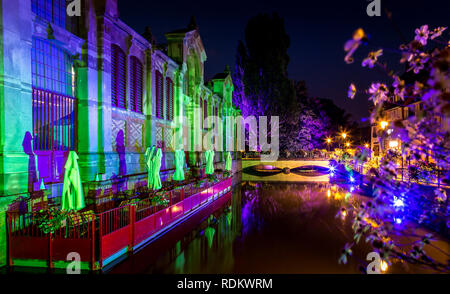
<point>398,202</point>
<point>329,193</point>
<point>384,266</point>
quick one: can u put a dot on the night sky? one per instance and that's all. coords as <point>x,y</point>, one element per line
<point>318,31</point>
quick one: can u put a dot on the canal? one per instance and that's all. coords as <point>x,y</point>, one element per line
<point>261,227</point>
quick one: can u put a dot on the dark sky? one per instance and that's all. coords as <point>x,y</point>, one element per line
<point>318,31</point>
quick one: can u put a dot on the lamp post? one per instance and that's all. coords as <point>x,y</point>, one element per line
<point>328,143</point>
<point>344,136</point>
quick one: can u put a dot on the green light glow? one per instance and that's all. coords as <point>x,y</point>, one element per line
<point>209,233</point>
<point>179,164</point>
<point>228,162</point>
<point>209,154</point>
<point>149,154</point>
<point>156,168</point>
<point>72,197</point>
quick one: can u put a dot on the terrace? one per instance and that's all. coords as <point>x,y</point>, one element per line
<point>112,225</point>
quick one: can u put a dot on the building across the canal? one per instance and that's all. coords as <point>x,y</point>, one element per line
<point>93,85</point>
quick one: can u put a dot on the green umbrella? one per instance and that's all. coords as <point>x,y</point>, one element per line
<point>209,162</point>
<point>179,164</point>
<point>149,154</point>
<point>228,162</point>
<point>72,197</point>
<point>156,167</point>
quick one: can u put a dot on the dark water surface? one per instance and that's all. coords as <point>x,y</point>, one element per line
<point>279,228</point>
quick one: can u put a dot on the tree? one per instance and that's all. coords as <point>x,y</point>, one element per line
<point>424,135</point>
<point>262,85</point>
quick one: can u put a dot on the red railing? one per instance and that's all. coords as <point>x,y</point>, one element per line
<point>112,232</point>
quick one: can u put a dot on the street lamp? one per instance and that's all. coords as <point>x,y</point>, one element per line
<point>328,143</point>
<point>344,135</point>
<point>384,124</point>
<point>348,145</point>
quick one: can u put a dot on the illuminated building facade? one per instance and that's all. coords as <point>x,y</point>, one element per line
<point>93,85</point>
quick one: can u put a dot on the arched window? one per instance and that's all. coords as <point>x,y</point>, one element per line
<point>53,11</point>
<point>159,94</point>
<point>136,84</point>
<point>169,101</point>
<point>118,77</point>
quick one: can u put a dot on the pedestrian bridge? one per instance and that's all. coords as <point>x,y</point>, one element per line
<point>301,170</point>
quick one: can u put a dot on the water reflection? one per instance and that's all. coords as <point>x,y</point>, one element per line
<point>274,228</point>
<point>265,228</point>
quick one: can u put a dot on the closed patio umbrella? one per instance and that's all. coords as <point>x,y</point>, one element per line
<point>228,162</point>
<point>149,154</point>
<point>156,168</point>
<point>179,164</point>
<point>209,162</point>
<point>72,197</point>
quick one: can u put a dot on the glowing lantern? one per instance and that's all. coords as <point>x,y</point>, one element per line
<point>393,144</point>
<point>384,266</point>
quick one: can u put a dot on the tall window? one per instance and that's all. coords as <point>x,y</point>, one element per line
<point>136,84</point>
<point>53,97</point>
<point>159,94</point>
<point>51,68</point>
<point>205,109</point>
<point>118,77</point>
<point>53,11</point>
<point>169,95</point>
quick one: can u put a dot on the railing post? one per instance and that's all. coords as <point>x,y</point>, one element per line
<point>131,228</point>
<point>10,263</point>
<point>182,197</point>
<point>93,243</point>
<point>100,240</point>
<point>50,253</point>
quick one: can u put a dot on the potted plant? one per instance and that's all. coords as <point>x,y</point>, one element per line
<point>49,220</point>
<point>161,199</point>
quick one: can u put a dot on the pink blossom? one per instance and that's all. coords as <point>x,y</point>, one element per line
<point>422,35</point>
<point>378,93</point>
<point>437,32</point>
<point>418,63</point>
<point>353,44</point>
<point>399,87</point>
<point>351,91</point>
<point>372,58</point>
